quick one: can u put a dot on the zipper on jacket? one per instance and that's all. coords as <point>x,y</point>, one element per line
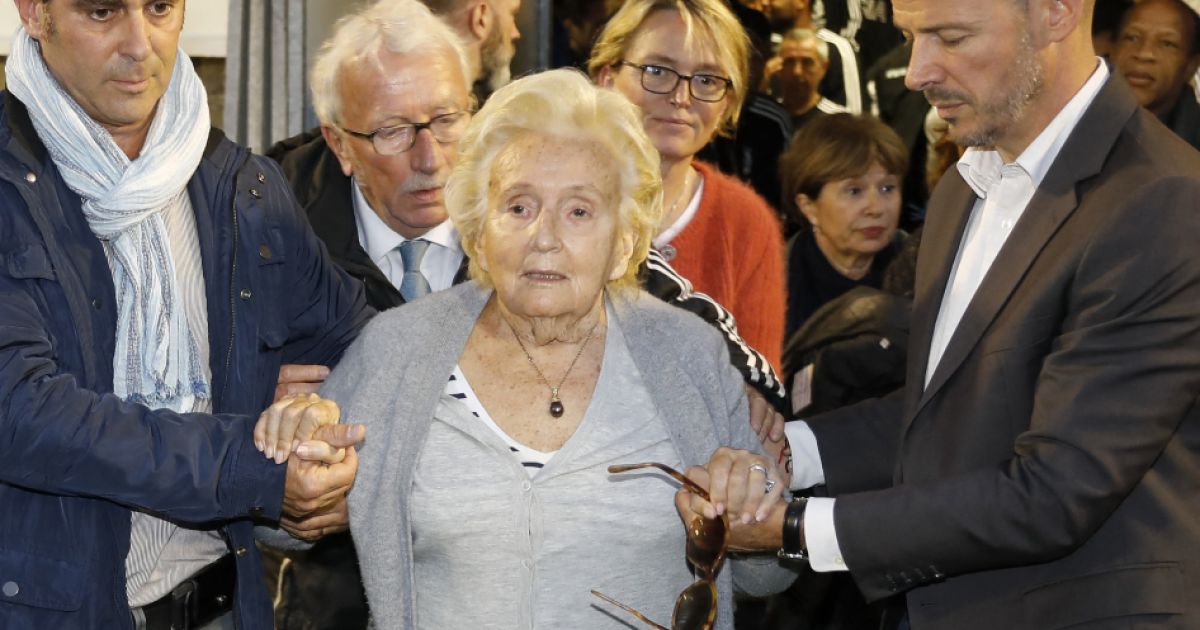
<point>233,269</point>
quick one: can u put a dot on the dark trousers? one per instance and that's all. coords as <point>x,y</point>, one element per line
<point>320,589</point>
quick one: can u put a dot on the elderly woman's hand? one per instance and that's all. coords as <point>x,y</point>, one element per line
<point>763,532</point>
<point>768,424</point>
<point>744,485</point>
<point>292,421</point>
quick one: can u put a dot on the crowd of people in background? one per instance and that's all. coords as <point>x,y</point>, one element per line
<point>387,374</point>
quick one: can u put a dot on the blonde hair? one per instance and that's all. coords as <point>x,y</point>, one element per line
<point>401,26</point>
<point>716,25</point>
<point>561,103</point>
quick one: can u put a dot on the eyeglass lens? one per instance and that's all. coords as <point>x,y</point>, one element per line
<point>445,129</point>
<point>664,80</point>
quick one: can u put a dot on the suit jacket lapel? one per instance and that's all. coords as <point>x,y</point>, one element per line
<point>952,201</point>
<point>1082,157</point>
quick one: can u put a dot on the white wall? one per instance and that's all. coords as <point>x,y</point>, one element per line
<point>203,31</point>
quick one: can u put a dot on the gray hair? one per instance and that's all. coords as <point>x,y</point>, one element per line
<point>402,26</point>
<point>803,36</point>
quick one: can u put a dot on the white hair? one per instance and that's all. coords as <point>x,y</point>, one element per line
<point>565,104</point>
<point>402,26</point>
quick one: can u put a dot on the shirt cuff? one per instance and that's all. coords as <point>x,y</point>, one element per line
<point>806,459</point>
<point>820,537</point>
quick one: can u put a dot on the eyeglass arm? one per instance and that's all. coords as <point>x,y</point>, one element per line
<point>680,477</point>
<point>627,609</point>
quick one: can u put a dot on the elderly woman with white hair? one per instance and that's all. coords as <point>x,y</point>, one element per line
<point>483,497</point>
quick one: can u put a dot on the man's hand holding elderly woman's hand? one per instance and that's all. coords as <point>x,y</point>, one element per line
<point>748,488</point>
<point>304,432</point>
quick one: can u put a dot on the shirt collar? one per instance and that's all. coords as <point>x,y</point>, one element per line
<point>981,167</point>
<point>378,239</point>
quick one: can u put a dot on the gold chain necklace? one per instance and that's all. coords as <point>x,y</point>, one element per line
<point>556,406</point>
<point>687,178</point>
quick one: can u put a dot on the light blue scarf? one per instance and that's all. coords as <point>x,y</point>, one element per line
<point>156,362</point>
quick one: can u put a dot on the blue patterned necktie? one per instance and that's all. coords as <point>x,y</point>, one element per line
<point>413,285</point>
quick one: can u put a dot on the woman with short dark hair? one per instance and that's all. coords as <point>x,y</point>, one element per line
<point>842,176</point>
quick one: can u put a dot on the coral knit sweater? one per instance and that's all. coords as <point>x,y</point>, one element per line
<point>733,251</point>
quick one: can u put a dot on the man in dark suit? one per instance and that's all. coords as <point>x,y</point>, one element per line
<point>1041,468</point>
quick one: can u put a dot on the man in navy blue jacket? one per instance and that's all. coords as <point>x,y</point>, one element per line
<point>141,333</point>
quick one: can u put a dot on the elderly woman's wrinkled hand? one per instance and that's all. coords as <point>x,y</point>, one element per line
<point>742,484</point>
<point>767,424</point>
<point>291,422</point>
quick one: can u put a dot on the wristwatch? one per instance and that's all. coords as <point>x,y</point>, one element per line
<point>793,531</point>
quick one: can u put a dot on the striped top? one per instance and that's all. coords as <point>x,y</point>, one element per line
<point>161,554</point>
<point>531,459</point>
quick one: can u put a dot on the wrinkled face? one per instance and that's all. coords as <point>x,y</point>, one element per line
<point>405,190</point>
<point>975,63</point>
<point>551,239</point>
<point>801,73</point>
<point>678,125</point>
<point>1154,52</point>
<point>858,216</point>
<point>500,46</point>
<point>113,57</point>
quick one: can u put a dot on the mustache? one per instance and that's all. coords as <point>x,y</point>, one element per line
<point>421,181</point>
<point>942,95</point>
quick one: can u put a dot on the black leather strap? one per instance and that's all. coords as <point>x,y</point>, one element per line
<point>793,530</point>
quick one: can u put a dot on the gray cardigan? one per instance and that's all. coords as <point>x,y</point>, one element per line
<point>392,378</point>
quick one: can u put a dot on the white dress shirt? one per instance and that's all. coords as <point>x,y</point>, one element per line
<point>1003,191</point>
<point>441,262</point>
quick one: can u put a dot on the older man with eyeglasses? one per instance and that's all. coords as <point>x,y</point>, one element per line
<point>392,91</point>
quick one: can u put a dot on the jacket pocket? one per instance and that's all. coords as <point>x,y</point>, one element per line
<point>31,262</point>
<point>1131,590</point>
<point>39,581</point>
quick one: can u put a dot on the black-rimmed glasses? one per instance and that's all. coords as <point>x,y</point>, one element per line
<point>656,79</point>
<point>397,139</point>
<point>696,606</point>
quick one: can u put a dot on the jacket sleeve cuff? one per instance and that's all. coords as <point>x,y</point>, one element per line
<point>252,485</point>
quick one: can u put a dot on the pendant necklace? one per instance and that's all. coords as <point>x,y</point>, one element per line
<point>556,406</point>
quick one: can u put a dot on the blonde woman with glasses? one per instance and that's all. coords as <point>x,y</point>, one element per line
<point>684,64</point>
